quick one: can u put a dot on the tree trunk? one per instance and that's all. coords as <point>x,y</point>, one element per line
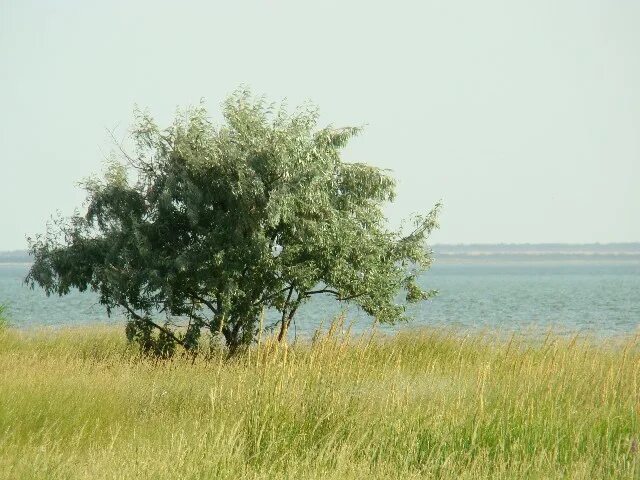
<point>286,321</point>
<point>284,325</point>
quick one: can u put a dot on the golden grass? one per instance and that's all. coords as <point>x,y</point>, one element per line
<point>80,403</point>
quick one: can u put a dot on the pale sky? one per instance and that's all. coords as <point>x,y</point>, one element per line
<point>523,117</point>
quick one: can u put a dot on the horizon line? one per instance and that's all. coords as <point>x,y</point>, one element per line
<point>471,244</point>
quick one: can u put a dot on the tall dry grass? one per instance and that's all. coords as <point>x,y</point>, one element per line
<point>80,403</point>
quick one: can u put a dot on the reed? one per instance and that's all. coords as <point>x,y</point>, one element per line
<point>81,403</point>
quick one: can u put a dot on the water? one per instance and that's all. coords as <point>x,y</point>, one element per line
<point>598,298</point>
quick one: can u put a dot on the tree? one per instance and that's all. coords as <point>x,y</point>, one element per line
<point>204,227</point>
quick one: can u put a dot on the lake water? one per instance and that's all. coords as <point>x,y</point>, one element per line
<point>596,298</point>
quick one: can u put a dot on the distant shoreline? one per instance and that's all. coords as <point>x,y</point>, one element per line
<point>492,259</point>
<point>483,253</point>
<point>550,258</point>
<point>539,249</point>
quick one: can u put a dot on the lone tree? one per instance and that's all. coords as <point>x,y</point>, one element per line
<point>204,227</point>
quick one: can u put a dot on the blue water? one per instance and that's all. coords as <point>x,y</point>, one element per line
<point>601,299</point>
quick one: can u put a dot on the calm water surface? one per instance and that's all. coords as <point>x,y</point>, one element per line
<point>601,299</point>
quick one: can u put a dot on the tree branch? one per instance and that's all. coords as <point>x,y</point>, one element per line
<point>283,321</point>
<point>264,299</point>
<point>324,290</point>
<point>166,331</point>
<point>137,164</point>
<point>206,302</point>
<point>333,292</point>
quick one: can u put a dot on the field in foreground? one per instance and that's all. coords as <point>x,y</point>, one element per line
<point>80,403</point>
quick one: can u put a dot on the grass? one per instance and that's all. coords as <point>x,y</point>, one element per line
<point>4,321</point>
<point>80,403</point>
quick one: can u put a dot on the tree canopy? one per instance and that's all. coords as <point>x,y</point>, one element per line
<point>202,227</point>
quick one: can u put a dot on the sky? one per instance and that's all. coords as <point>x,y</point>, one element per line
<point>523,117</point>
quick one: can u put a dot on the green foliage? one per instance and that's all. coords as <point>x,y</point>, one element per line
<point>210,225</point>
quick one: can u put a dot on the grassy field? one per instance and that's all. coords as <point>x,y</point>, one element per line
<point>80,403</point>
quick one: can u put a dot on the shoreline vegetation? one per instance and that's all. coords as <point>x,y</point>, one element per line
<point>82,403</point>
